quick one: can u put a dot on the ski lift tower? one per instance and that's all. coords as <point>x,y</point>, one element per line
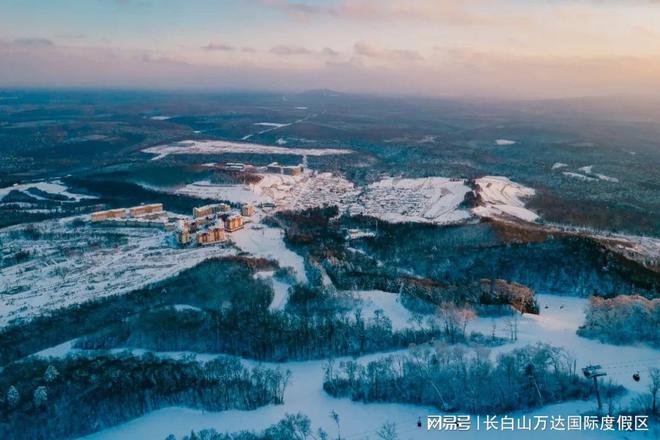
<point>594,372</point>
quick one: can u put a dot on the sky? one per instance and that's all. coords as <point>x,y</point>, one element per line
<point>519,49</point>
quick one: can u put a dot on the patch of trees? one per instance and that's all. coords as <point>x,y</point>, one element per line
<point>499,292</point>
<point>77,395</point>
<point>314,325</point>
<point>428,280</point>
<point>583,209</point>
<point>622,320</point>
<point>302,227</point>
<point>423,295</point>
<point>291,427</point>
<point>453,379</point>
<point>212,284</point>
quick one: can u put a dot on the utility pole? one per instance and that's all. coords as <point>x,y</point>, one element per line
<point>529,370</point>
<point>594,372</point>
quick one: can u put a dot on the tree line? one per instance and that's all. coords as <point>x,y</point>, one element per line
<point>313,325</point>
<point>455,379</point>
<point>77,395</point>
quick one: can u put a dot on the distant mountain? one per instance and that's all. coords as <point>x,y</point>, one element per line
<point>320,93</point>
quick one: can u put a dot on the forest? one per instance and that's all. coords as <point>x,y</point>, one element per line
<point>313,325</point>
<point>76,395</point>
<point>291,427</point>
<point>452,258</point>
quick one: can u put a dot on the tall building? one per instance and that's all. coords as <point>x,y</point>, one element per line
<point>182,232</point>
<point>234,223</point>
<point>202,211</point>
<point>247,210</point>
<point>214,234</point>
<point>182,236</point>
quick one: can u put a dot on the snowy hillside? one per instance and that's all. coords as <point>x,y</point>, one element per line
<point>69,264</point>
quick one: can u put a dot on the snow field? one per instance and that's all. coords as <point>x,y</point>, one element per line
<point>52,187</point>
<point>268,242</point>
<point>424,200</point>
<point>501,196</point>
<point>388,302</point>
<point>220,147</point>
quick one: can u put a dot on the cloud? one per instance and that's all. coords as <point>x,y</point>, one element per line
<point>248,49</point>
<point>71,36</point>
<point>161,60</point>
<point>363,49</point>
<point>447,72</point>
<point>290,50</point>
<point>218,47</point>
<point>447,12</point>
<point>369,51</point>
<point>33,42</point>
<point>328,52</point>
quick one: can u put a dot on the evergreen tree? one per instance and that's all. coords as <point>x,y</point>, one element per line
<point>51,374</point>
<point>40,396</point>
<point>13,396</point>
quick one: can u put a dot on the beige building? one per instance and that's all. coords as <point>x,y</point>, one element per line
<point>154,208</point>
<point>234,223</point>
<point>209,210</point>
<point>247,210</point>
<point>291,170</point>
<point>182,236</point>
<point>294,170</point>
<point>214,234</point>
<point>111,213</point>
<point>202,211</point>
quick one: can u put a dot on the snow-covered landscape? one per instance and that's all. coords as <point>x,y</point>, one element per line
<point>220,147</point>
<point>501,196</point>
<point>71,264</point>
<point>52,188</point>
<point>254,260</point>
<point>428,200</point>
<point>434,200</point>
<point>555,325</point>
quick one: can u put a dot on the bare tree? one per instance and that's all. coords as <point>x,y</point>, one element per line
<point>335,417</point>
<point>654,387</point>
<point>511,327</point>
<point>388,431</point>
<point>454,319</point>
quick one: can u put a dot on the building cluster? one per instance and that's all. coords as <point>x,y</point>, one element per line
<point>290,170</point>
<point>151,215</point>
<point>208,224</point>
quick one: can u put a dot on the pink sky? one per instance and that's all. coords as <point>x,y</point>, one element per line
<point>493,48</point>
